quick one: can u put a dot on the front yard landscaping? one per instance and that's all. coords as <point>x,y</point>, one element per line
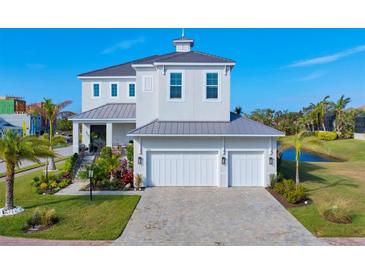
<point>104,218</point>
<point>340,184</point>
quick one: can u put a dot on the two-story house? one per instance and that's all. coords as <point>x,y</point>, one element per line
<point>176,109</point>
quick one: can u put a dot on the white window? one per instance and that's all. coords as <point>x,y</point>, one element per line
<point>147,83</point>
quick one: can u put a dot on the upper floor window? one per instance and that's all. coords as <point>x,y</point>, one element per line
<point>132,90</point>
<point>96,90</point>
<point>114,90</point>
<point>147,83</point>
<point>212,85</point>
<point>175,85</point>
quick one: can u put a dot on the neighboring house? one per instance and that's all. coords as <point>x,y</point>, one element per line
<point>4,125</point>
<point>359,133</point>
<point>176,109</point>
<point>31,122</point>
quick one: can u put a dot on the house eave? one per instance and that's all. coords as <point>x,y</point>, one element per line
<point>206,135</point>
<point>105,77</point>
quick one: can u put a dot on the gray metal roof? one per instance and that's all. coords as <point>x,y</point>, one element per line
<point>115,111</point>
<point>237,126</point>
<point>126,69</point>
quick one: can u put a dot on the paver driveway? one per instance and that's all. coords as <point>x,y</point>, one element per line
<point>212,216</point>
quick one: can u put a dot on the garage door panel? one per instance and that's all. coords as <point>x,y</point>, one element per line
<point>246,168</point>
<point>194,168</point>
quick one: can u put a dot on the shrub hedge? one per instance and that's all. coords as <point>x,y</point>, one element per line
<point>326,135</point>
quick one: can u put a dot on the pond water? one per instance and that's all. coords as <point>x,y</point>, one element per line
<point>305,156</point>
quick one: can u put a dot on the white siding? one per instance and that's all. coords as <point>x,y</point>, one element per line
<point>144,145</point>
<point>120,133</point>
<point>91,102</point>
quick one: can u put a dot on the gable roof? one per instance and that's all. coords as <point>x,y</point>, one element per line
<point>113,111</point>
<point>126,69</point>
<point>237,126</point>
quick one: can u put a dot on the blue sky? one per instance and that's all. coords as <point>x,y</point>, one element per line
<point>276,68</point>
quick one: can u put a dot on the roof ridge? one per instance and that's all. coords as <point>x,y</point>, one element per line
<point>213,55</point>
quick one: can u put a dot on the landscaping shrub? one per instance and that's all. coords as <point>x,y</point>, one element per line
<point>106,152</point>
<point>70,163</point>
<point>296,195</point>
<point>127,177</point>
<point>335,211</point>
<point>130,155</point>
<point>273,180</point>
<point>49,217</point>
<point>138,181</point>
<point>54,183</point>
<point>291,192</point>
<point>45,218</point>
<point>326,135</point>
<point>35,219</point>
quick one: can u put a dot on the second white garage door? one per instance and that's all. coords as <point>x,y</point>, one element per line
<point>246,168</point>
<point>195,168</point>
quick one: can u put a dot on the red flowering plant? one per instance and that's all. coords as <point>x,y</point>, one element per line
<point>127,177</point>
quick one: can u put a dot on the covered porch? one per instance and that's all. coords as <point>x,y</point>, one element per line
<point>107,125</point>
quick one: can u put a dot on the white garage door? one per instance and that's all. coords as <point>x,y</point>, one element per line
<point>246,168</point>
<point>194,168</point>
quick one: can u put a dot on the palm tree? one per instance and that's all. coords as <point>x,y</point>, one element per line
<point>49,111</point>
<point>322,109</point>
<point>13,150</point>
<point>238,110</point>
<point>55,140</point>
<point>299,142</point>
<point>339,109</point>
<point>111,164</point>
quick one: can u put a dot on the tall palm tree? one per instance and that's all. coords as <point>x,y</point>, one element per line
<point>299,142</point>
<point>322,109</point>
<point>49,111</point>
<point>339,109</point>
<point>13,150</point>
<point>238,110</point>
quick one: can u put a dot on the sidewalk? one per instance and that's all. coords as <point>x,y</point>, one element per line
<point>12,241</point>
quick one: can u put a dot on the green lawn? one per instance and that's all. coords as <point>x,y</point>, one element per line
<point>336,180</point>
<point>104,218</point>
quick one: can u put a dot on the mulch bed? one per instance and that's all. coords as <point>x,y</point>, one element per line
<point>283,201</point>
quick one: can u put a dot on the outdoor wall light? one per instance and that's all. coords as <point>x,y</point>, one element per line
<point>139,160</point>
<point>271,161</point>
<point>223,160</point>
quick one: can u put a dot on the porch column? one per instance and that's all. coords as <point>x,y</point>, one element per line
<point>86,134</point>
<point>109,134</point>
<point>75,137</point>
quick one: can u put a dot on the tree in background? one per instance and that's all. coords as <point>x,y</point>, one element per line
<point>238,110</point>
<point>13,150</point>
<point>338,108</point>
<point>50,111</point>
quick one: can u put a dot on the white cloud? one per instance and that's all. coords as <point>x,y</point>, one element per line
<point>328,58</point>
<point>125,44</point>
<point>35,66</point>
<point>312,76</point>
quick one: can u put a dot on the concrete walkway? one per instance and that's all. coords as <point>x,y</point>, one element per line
<point>346,241</point>
<point>74,189</point>
<point>12,241</point>
<point>213,216</point>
